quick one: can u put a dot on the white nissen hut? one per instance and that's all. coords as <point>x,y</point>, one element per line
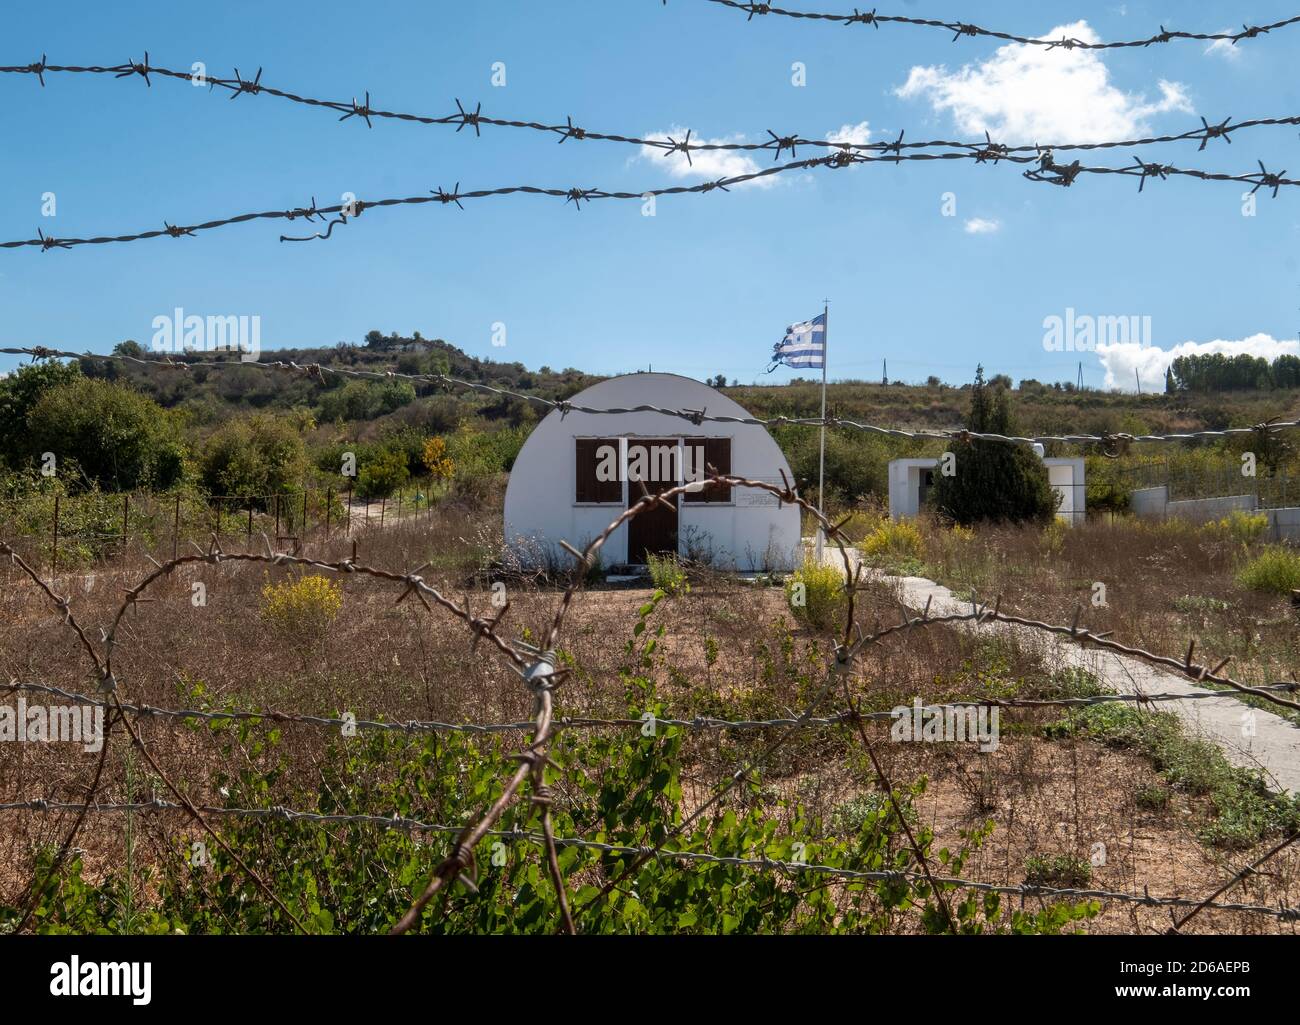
<point>577,473</point>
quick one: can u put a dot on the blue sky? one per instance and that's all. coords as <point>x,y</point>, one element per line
<point>709,283</point>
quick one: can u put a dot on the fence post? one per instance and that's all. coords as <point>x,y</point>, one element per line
<point>383,504</point>
<point>54,555</point>
<point>176,525</point>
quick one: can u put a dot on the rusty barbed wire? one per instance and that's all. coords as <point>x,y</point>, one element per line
<point>542,676</point>
<point>984,151</point>
<point>538,672</point>
<point>1047,171</point>
<point>695,416</point>
<point>965,30</point>
<point>700,723</point>
<point>408,824</point>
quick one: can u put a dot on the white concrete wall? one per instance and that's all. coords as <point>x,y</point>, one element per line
<point>1065,475</point>
<point>1202,510</point>
<point>753,532</point>
<point>1284,524</point>
<point>1149,503</point>
<point>905,485</point>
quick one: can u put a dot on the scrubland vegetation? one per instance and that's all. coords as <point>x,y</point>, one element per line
<point>1170,813</point>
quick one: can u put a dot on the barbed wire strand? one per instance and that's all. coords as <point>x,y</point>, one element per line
<point>1048,171</point>
<point>1112,443</point>
<point>472,116</point>
<point>791,868</point>
<point>540,674</point>
<point>698,723</point>
<point>542,671</point>
<point>965,30</point>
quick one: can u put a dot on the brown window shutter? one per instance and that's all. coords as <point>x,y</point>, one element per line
<point>588,487</point>
<point>717,454</point>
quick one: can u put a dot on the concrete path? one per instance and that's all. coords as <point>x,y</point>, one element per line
<point>1229,723</point>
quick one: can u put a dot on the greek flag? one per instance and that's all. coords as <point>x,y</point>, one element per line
<point>804,345</point>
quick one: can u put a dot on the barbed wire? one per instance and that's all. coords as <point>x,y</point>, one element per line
<point>701,723</point>
<point>407,824</point>
<point>1048,171</point>
<point>538,670</point>
<point>987,151</point>
<point>961,30</point>
<point>1112,443</point>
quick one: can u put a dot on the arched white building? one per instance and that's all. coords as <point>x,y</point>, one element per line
<point>576,473</point>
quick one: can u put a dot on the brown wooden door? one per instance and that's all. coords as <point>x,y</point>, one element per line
<point>654,529</point>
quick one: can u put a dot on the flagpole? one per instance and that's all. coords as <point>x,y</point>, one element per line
<point>821,460</point>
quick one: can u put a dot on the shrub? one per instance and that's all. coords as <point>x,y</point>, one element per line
<point>307,605</point>
<point>667,574</point>
<point>1059,870</point>
<point>816,595</point>
<point>893,541</point>
<point>1275,569</point>
<point>1239,527</point>
<point>120,438</point>
<point>994,480</point>
<point>19,393</point>
<point>856,466</point>
<point>365,400</point>
<point>861,522</point>
<point>258,456</point>
<point>382,473</point>
<point>436,461</point>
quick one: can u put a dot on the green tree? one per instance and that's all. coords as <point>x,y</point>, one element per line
<point>19,394</point>
<point>994,480</point>
<point>119,438</point>
<point>258,456</point>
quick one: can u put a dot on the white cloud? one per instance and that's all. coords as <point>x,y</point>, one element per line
<point>704,165</point>
<point>1027,94</point>
<point>982,226</point>
<point>1120,361</point>
<point>856,135</point>
<point>1224,48</point>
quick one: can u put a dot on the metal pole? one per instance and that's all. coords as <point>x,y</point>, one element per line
<point>176,525</point>
<point>329,501</point>
<point>383,504</point>
<point>126,512</point>
<point>347,512</point>
<point>302,527</point>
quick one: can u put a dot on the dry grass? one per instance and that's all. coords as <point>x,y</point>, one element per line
<point>729,649</point>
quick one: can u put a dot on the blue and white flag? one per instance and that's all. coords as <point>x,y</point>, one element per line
<point>804,345</point>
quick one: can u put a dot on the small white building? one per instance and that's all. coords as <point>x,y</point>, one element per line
<point>576,473</point>
<point>910,481</point>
